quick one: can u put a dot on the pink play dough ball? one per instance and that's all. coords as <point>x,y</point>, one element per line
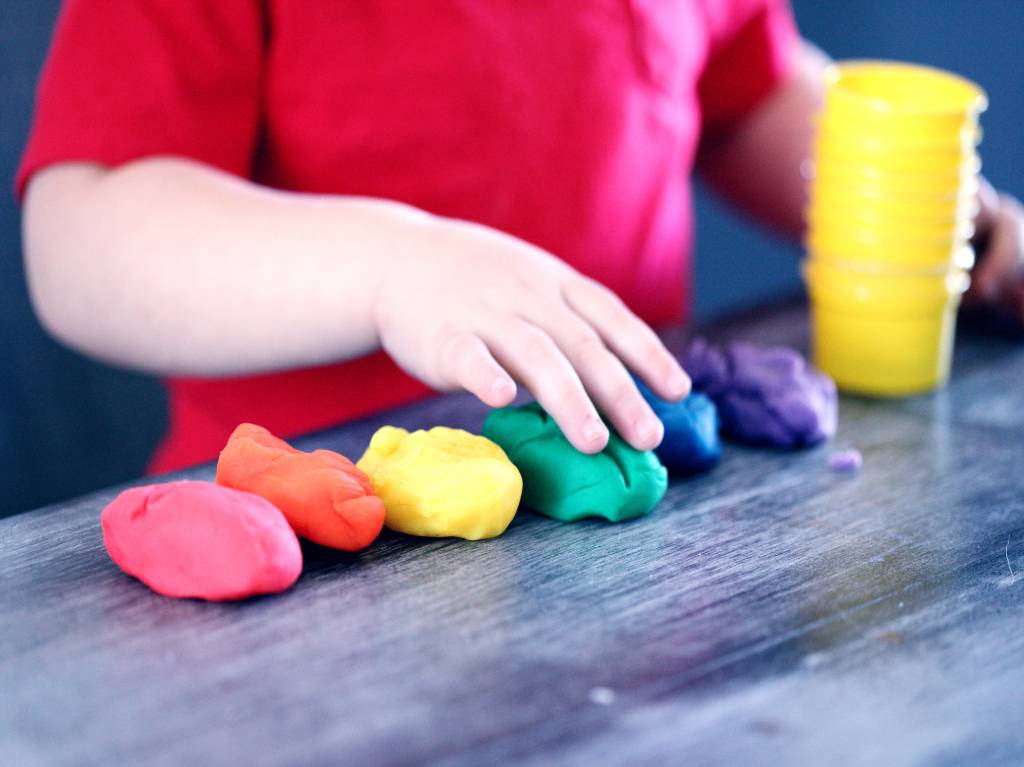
<point>198,539</point>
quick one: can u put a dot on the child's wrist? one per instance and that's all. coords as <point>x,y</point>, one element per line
<point>414,235</point>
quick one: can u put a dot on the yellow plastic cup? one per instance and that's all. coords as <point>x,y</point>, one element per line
<point>921,133</point>
<point>949,167</point>
<point>898,186</point>
<point>895,185</point>
<point>826,195</point>
<point>908,187</point>
<point>900,155</point>
<point>901,100</point>
<point>904,254</point>
<point>880,219</point>
<point>834,229</point>
<point>859,169</point>
<point>831,131</point>
<point>857,287</point>
<point>851,222</point>
<point>901,87</point>
<point>883,335</point>
<point>962,259</point>
<point>908,356</point>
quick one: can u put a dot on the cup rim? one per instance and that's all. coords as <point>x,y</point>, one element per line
<point>856,195</point>
<point>878,238</point>
<point>974,96</point>
<point>858,172</point>
<point>846,217</point>
<point>943,276</point>
<point>878,165</point>
<point>940,249</point>
<point>961,140</point>
<point>879,294</point>
<point>962,260</point>
<point>873,209</point>
<point>904,189</point>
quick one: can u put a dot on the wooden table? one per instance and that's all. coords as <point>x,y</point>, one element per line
<point>772,612</point>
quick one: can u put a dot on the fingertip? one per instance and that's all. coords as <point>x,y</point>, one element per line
<point>593,436</point>
<point>502,392</point>
<point>499,393</point>
<point>674,385</point>
<point>683,385</point>
<point>647,433</point>
<point>591,448</point>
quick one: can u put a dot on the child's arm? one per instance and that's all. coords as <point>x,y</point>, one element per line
<point>173,267</point>
<point>762,164</point>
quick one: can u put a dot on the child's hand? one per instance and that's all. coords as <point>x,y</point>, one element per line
<point>998,280</point>
<point>475,308</point>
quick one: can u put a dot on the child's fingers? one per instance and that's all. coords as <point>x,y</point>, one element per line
<point>470,364</point>
<point>534,358</point>
<point>606,380</point>
<point>1000,268</point>
<point>629,337</point>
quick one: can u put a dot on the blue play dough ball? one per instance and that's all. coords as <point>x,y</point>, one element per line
<point>691,442</point>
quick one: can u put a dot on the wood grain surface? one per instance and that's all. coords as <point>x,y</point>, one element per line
<point>772,612</point>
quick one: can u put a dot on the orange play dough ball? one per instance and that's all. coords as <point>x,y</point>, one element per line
<point>322,494</point>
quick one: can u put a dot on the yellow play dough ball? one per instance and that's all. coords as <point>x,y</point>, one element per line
<point>442,482</point>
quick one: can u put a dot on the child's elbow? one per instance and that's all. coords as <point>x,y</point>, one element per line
<point>51,257</point>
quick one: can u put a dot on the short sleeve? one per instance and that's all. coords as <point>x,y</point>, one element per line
<point>753,50</point>
<point>126,79</point>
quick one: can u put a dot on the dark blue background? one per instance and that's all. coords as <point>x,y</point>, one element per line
<point>68,425</point>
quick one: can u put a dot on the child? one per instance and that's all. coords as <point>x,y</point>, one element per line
<point>255,197</point>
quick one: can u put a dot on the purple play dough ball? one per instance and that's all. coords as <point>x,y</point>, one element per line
<point>765,394</point>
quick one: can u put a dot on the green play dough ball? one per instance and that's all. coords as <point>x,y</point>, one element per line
<point>618,483</point>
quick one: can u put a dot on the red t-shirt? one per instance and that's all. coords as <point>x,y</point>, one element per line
<point>572,125</point>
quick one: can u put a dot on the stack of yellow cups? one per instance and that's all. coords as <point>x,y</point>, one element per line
<point>892,209</point>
